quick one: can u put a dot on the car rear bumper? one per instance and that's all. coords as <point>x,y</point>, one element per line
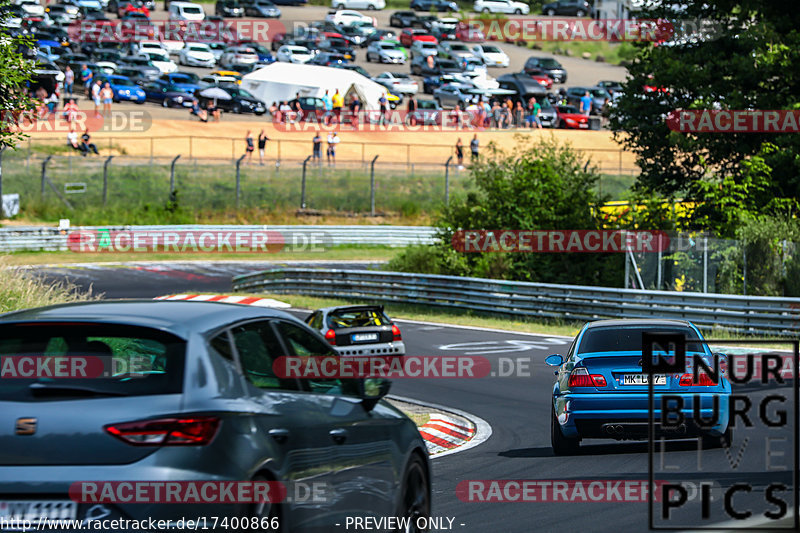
<point>382,348</point>
<point>626,415</point>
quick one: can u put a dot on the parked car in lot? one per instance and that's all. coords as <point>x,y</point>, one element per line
<point>263,9</point>
<point>431,83</point>
<point>420,66</point>
<point>442,6</point>
<point>491,55</point>
<point>397,82</point>
<point>358,330</point>
<point>546,65</point>
<point>160,60</point>
<point>237,56</point>
<point>186,11</point>
<point>369,5</point>
<point>125,90</point>
<point>614,88</point>
<point>411,35</point>
<point>600,98</point>
<point>346,16</point>
<point>229,8</point>
<point>142,64</point>
<point>423,49</point>
<point>455,50</point>
<point>428,112</point>
<point>402,19</point>
<point>204,386</point>
<point>572,8</point>
<point>166,94</point>
<point>197,55</point>
<point>339,46</point>
<point>569,117</point>
<point>294,54</point>
<point>452,96</point>
<point>327,59</point>
<point>386,52</point>
<point>500,6</point>
<point>601,390</point>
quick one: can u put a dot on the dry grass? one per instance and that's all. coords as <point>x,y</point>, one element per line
<point>21,291</point>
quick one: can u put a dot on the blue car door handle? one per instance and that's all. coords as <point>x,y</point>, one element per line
<point>338,435</point>
<point>280,435</point>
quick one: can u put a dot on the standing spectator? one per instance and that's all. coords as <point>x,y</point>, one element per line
<point>586,104</point>
<point>473,146</point>
<point>96,98</point>
<point>333,140</point>
<point>328,104</point>
<point>533,110</point>
<point>337,101</point>
<point>317,154</point>
<point>519,115</point>
<point>250,146</point>
<point>460,153</point>
<point>107,94</point>
<point>87,144</point>
<point>41,102</point>
<point>487,110</point>
<point>86,78</point>
<point>497,115</point>
<point>383,105</point>
<point>355,108</point>
<point>412,110</point>
<point>262,147</point>
<point>69,81</point>
<point>298,111</point>
<point>274,113</point>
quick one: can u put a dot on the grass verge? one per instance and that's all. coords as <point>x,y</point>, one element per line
<point>337,253</point>
<point>20,291</point>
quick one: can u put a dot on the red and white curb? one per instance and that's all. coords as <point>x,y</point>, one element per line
<point>451,430</point>
<point>443,433</point>
<point>246,300</point>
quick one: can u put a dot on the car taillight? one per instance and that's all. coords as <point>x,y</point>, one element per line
<point>330,336</point>
<point>580,377</point>
<point>195,431</point>
<point>396,333</point>
<point>687,380</point>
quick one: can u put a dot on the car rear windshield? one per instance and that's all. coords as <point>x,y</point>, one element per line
<point>549,63</point>
<point>624,339</point>
<point>358,318</point>
<point>50,360</point>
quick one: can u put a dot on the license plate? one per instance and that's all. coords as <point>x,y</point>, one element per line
<point>187,104</point>
<point>643,379</point>
<point>35,510</point>
<point>364,337</point>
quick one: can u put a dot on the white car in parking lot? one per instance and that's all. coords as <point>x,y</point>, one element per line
<point>289,53</point>
<point>358,4</point>
<point>238,56</point>
<point>31,7</point>
<point>491,55</point>
<point>345,17</point>
<point>500,6</point>
<point>197,55</point>
<point>423,48</point>
<point>397,82</point>
<point>160,60</point>
<point>454,50</point>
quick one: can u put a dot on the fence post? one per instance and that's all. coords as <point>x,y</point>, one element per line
<point>447,180</point>
<point>303,186</point>
<point>190,147</point>
<point>705,264</point>
<point>172,174</point>
<point>44,174</point>
<point>105,178</point>
<point>372,186</point>
<point>238,187</point>
<point>744,268</point>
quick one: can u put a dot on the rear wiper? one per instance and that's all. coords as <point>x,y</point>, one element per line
<point>55,389</point>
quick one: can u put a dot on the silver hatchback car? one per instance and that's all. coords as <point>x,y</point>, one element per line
<point>202,404</point>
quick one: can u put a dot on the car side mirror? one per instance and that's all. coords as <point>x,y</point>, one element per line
<point>373,390</point>
<point>554,360</point>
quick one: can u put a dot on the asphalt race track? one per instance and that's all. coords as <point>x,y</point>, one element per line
<point>518,409</point>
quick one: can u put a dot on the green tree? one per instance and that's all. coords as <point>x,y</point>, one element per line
<point>16,70</point>
<point>747,60</point>
<point>540,186</point>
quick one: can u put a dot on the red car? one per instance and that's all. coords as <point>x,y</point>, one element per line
<point>569,117</point>
<point>542,78</point>
<point>409,35</point>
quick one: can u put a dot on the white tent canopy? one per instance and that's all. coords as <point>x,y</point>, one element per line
<point>282,81</point>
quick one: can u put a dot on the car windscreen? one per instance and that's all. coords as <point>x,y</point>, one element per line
<point>358,318</point>
<point>623,339</point>
<point>121,81</point>
<point>549,63</point>
<point>41,360</point>
<point>427,104</point>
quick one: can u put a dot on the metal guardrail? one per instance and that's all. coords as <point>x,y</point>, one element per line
<point>52,239</point>
<point>749,314</point>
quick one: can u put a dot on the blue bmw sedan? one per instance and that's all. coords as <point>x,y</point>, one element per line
<point>602,390</point>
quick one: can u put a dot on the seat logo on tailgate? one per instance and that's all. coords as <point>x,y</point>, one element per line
<point>26,426</point>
